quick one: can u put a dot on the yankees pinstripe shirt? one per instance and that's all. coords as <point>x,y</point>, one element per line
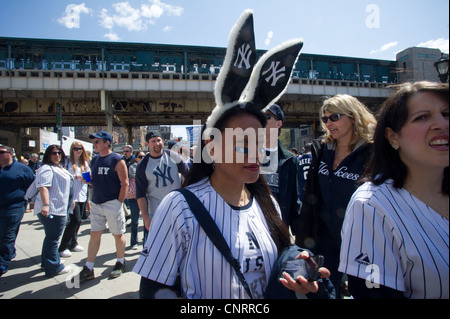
<point>391,238</point>
<point>176,243</point>
<point>80,190</point>
<point>58,181</point>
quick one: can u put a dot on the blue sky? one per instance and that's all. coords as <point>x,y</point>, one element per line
<point>357,28</point>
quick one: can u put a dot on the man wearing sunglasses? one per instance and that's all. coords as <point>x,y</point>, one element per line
<point>109,177</point>
<point>15,178</point>
<point>280,170</point>
<point>128,155</point>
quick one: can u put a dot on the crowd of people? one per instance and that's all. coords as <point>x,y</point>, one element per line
<point>370,195</point>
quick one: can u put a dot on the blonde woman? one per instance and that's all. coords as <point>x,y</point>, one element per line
<point>78,163</point>
<point>338,161</point>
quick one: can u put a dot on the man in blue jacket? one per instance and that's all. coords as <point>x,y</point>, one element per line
<point>15,178</point>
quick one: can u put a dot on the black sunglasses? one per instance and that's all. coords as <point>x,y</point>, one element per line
<point>77,148</point>
<point>3,152</point>
<point>56,153</point>
<point>141,156</point>
<point>332,117</point>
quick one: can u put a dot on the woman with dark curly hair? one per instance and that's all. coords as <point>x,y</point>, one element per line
<point>395,234</point>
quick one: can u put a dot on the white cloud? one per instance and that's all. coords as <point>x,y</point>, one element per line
<point>385,47</point>
<point>151,12</point>
<point>167,28</point>
<point>71,17</point>
<point>106,21</point>
<point>126,16</point>
<point>169,9</point>
<point>112,36</point>
<point>137,19</point>
<point>268,38</point>
<point>441,44</point>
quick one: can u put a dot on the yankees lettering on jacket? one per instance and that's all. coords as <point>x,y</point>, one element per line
<point>342,172</point>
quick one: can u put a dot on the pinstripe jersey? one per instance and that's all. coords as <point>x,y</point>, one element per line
<point>176,241</point>
<point>58,181</point>
<point>79,188</point>
<point>397,238</point>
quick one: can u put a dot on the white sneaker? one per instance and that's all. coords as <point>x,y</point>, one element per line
<point>65,254</point>
<point>65,270</point>
<point>78,248</point>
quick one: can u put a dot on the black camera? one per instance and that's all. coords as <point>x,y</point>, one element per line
<point>308,268</point>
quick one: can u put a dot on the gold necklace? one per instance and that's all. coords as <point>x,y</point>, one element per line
<point>446,215</point>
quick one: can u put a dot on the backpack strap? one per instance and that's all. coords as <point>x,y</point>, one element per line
<point>212,231</point>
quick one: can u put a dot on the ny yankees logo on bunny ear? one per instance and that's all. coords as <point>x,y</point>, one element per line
<point>242,81</point>
<point>271,75</point>
<point>239,61</point>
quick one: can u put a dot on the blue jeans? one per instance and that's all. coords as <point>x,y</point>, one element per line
<point>9,228</point>
<point>53,228</point>
<point>134,209</point>
<point>70,237</point>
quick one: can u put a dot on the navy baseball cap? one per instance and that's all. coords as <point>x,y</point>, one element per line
<point>275,109</point>
<point>152,134</point>
<point>103,135</point>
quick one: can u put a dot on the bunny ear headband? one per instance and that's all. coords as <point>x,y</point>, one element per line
<point>242,80</point>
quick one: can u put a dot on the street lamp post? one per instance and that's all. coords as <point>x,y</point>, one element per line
<point>441,66</point>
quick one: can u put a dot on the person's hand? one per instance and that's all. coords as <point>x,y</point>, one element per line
<point>301,284</point>
<point>147,222</point>
<point>45,211</point>
<point>84,182</point>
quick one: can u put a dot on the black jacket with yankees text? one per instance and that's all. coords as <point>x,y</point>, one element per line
<point>327,193</point>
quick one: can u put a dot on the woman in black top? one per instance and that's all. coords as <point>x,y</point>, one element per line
<point>339,159</point>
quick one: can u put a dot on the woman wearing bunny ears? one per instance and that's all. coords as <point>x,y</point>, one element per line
<point>225,177</point>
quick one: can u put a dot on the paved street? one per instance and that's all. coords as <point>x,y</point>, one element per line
<point>26,280</point>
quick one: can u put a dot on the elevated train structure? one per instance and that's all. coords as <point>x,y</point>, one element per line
<point>136,84</point>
